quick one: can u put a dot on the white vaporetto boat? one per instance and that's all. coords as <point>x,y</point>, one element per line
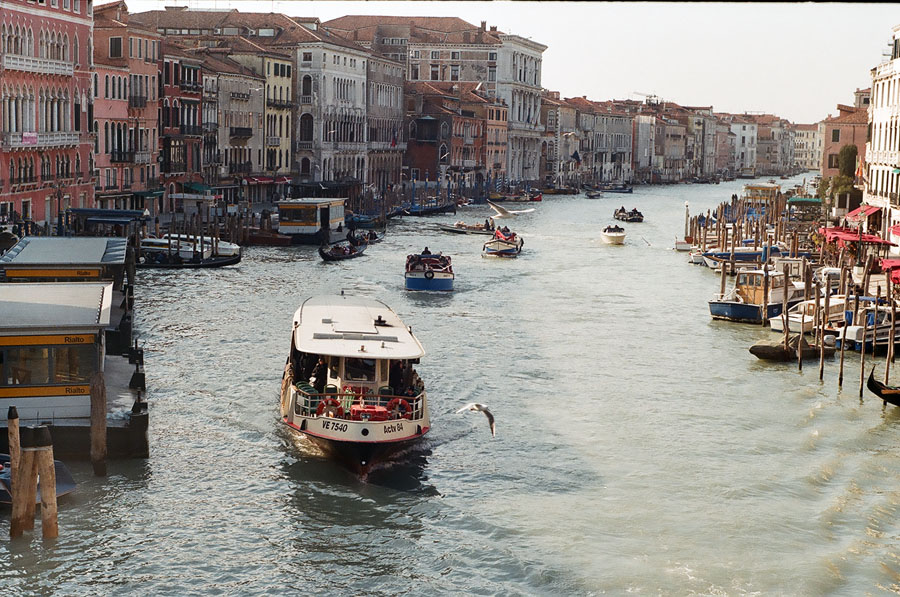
<point>371,403</point>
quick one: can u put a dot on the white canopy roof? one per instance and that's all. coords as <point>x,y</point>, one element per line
<point>45,250</point>
<point>353,326</point>
<point>43,307</point>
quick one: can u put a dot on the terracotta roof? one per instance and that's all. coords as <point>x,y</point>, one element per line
<point>169,48</point>
<point>215,62</point>
<point>860,116</point>
<point>417,29</point>
<point>806,127</point>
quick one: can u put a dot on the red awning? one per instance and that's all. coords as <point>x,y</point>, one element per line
<point>258,179</point>
<point>862,212</point>
<point>895,230</point>
<point>890,264</point>
<point>282,179</point>
<point>843,235</point>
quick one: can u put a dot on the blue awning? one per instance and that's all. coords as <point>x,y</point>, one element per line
<point>123,221</point>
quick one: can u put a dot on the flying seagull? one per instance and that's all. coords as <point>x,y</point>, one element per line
<point>483,408</point>
<point>502,212</point>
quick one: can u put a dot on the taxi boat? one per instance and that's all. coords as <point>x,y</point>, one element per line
<point>747,301</point>
<point>373,404</point>
<point>503,244</point>
<point>427,271</point>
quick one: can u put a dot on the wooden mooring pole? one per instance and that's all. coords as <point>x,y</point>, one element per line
<point>15,451</point>
<point>36,463</point>
<point>98,424</point>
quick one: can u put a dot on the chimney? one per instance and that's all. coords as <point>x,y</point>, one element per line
<point>493,29</point>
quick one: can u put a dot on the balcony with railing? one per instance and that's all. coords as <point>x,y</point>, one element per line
<point>153,182</point>
<point>191,86</point>
<point>23,180</point>
<point>303,145</point>
<point>273,141</point>
<point>192,130</point>
<point>468,140</point>
<point>79,174</point>
<point>32,64</point>
<point>137,101</point>
<point>142,157</point>
<point>118,156</point>
<point>240,168</point>
<point>274,103</point>
<point>469,163</point>
<point>40,139</point>
<point>210,128</point>
<point>240,95</point>
<point>240,131</point>
<point>306,99</point>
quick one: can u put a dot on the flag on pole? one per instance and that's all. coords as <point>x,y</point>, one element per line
<point>394,139</point>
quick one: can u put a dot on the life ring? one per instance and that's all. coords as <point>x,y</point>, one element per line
<point>334,408</point>
<point>429,274</point>
<point>398,404</point>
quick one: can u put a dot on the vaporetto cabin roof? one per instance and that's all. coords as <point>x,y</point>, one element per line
<point>353,326</point>
<point>36,250</point>
<point>46,307</point>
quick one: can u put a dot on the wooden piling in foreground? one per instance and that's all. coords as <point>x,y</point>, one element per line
<point>890,353</point>
<point>47,475</point>
<point>822,333</point>
<point>766,285</point>
<point>22,516</point>
<point>15,450</point>
<point>98,424</point>
<point>862,355</point>
<point>844,333</point>
<point>784,314</point>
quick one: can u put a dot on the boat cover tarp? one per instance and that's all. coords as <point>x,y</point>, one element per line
<point>845,235</point>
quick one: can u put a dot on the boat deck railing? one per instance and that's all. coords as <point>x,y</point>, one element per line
<point>372,405</point>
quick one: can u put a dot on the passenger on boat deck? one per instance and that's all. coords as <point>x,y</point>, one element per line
<point>505,230</point>
<point>340,228</point>
<point>487,225</point>
<point>320,373</point>
<point>425,251</point>
<point>396,376</point>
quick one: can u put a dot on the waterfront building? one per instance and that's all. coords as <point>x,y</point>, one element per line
<point>558,117</point>
<point>849,127</point>
<point>280,99</point>
<point>47,109</point>
<point>644,147</point>
<point>496,141</point>
<point>385,112</point>
<point>745,132</point>
<point>772,134</point>
<point>180,93</point>
<point>862,97</point>
<point>240,103</point>
<point>669,163</point>
<point>881,163</point>
<point>450,49</point>
<point>725,147</point>
<point>447,130</point>
<point>126,145</point>
<point>808,146</point>
<point>701,140</point>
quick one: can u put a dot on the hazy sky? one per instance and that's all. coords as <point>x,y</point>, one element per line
<point>794,60</point>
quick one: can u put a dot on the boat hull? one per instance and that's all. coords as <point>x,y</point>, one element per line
<point>418,281</point>
<point>613,238</point>
<point>502,248</point>
<point>743,312</point>
<point>205,263</point>
<point>358,456</point>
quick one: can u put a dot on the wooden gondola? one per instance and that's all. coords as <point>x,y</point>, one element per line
<point>355,251</point>
<point>775,351</point>
<point>883,391</point>
<point>176,263</point>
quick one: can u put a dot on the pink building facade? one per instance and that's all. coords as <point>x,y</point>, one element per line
<point>126,111</point>
<point>46,103</point>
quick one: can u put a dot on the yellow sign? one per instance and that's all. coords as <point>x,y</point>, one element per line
<point>53,273</point>
<point>69,339</point>
<point>35,391</point>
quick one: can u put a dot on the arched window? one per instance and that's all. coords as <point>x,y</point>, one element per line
<point>106,137</point>
<point>445,130</point>
<point>306,127</point>
<point>412,129</point>
<point>106,87</point>
<point>444,154</point>
<point>306,85</point>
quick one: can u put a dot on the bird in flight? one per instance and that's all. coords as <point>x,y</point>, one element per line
<point>502,212</point>
<point>483,408</point>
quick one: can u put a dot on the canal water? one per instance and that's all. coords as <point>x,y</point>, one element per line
<point>640,447</point>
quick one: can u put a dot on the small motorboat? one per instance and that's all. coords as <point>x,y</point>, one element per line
<point>613,235</point>
<point>745,301</point>
<point>593,194</point>
<point>64,481</point>
<point>887,393</point>
<point>219,248</point>
<point>775,351</point>
<point>504,244</point>
<point>463,228</point>
<point>341,251</point>
<point>628,216</point>
<point>429,271</point>
<point>173,253</point>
